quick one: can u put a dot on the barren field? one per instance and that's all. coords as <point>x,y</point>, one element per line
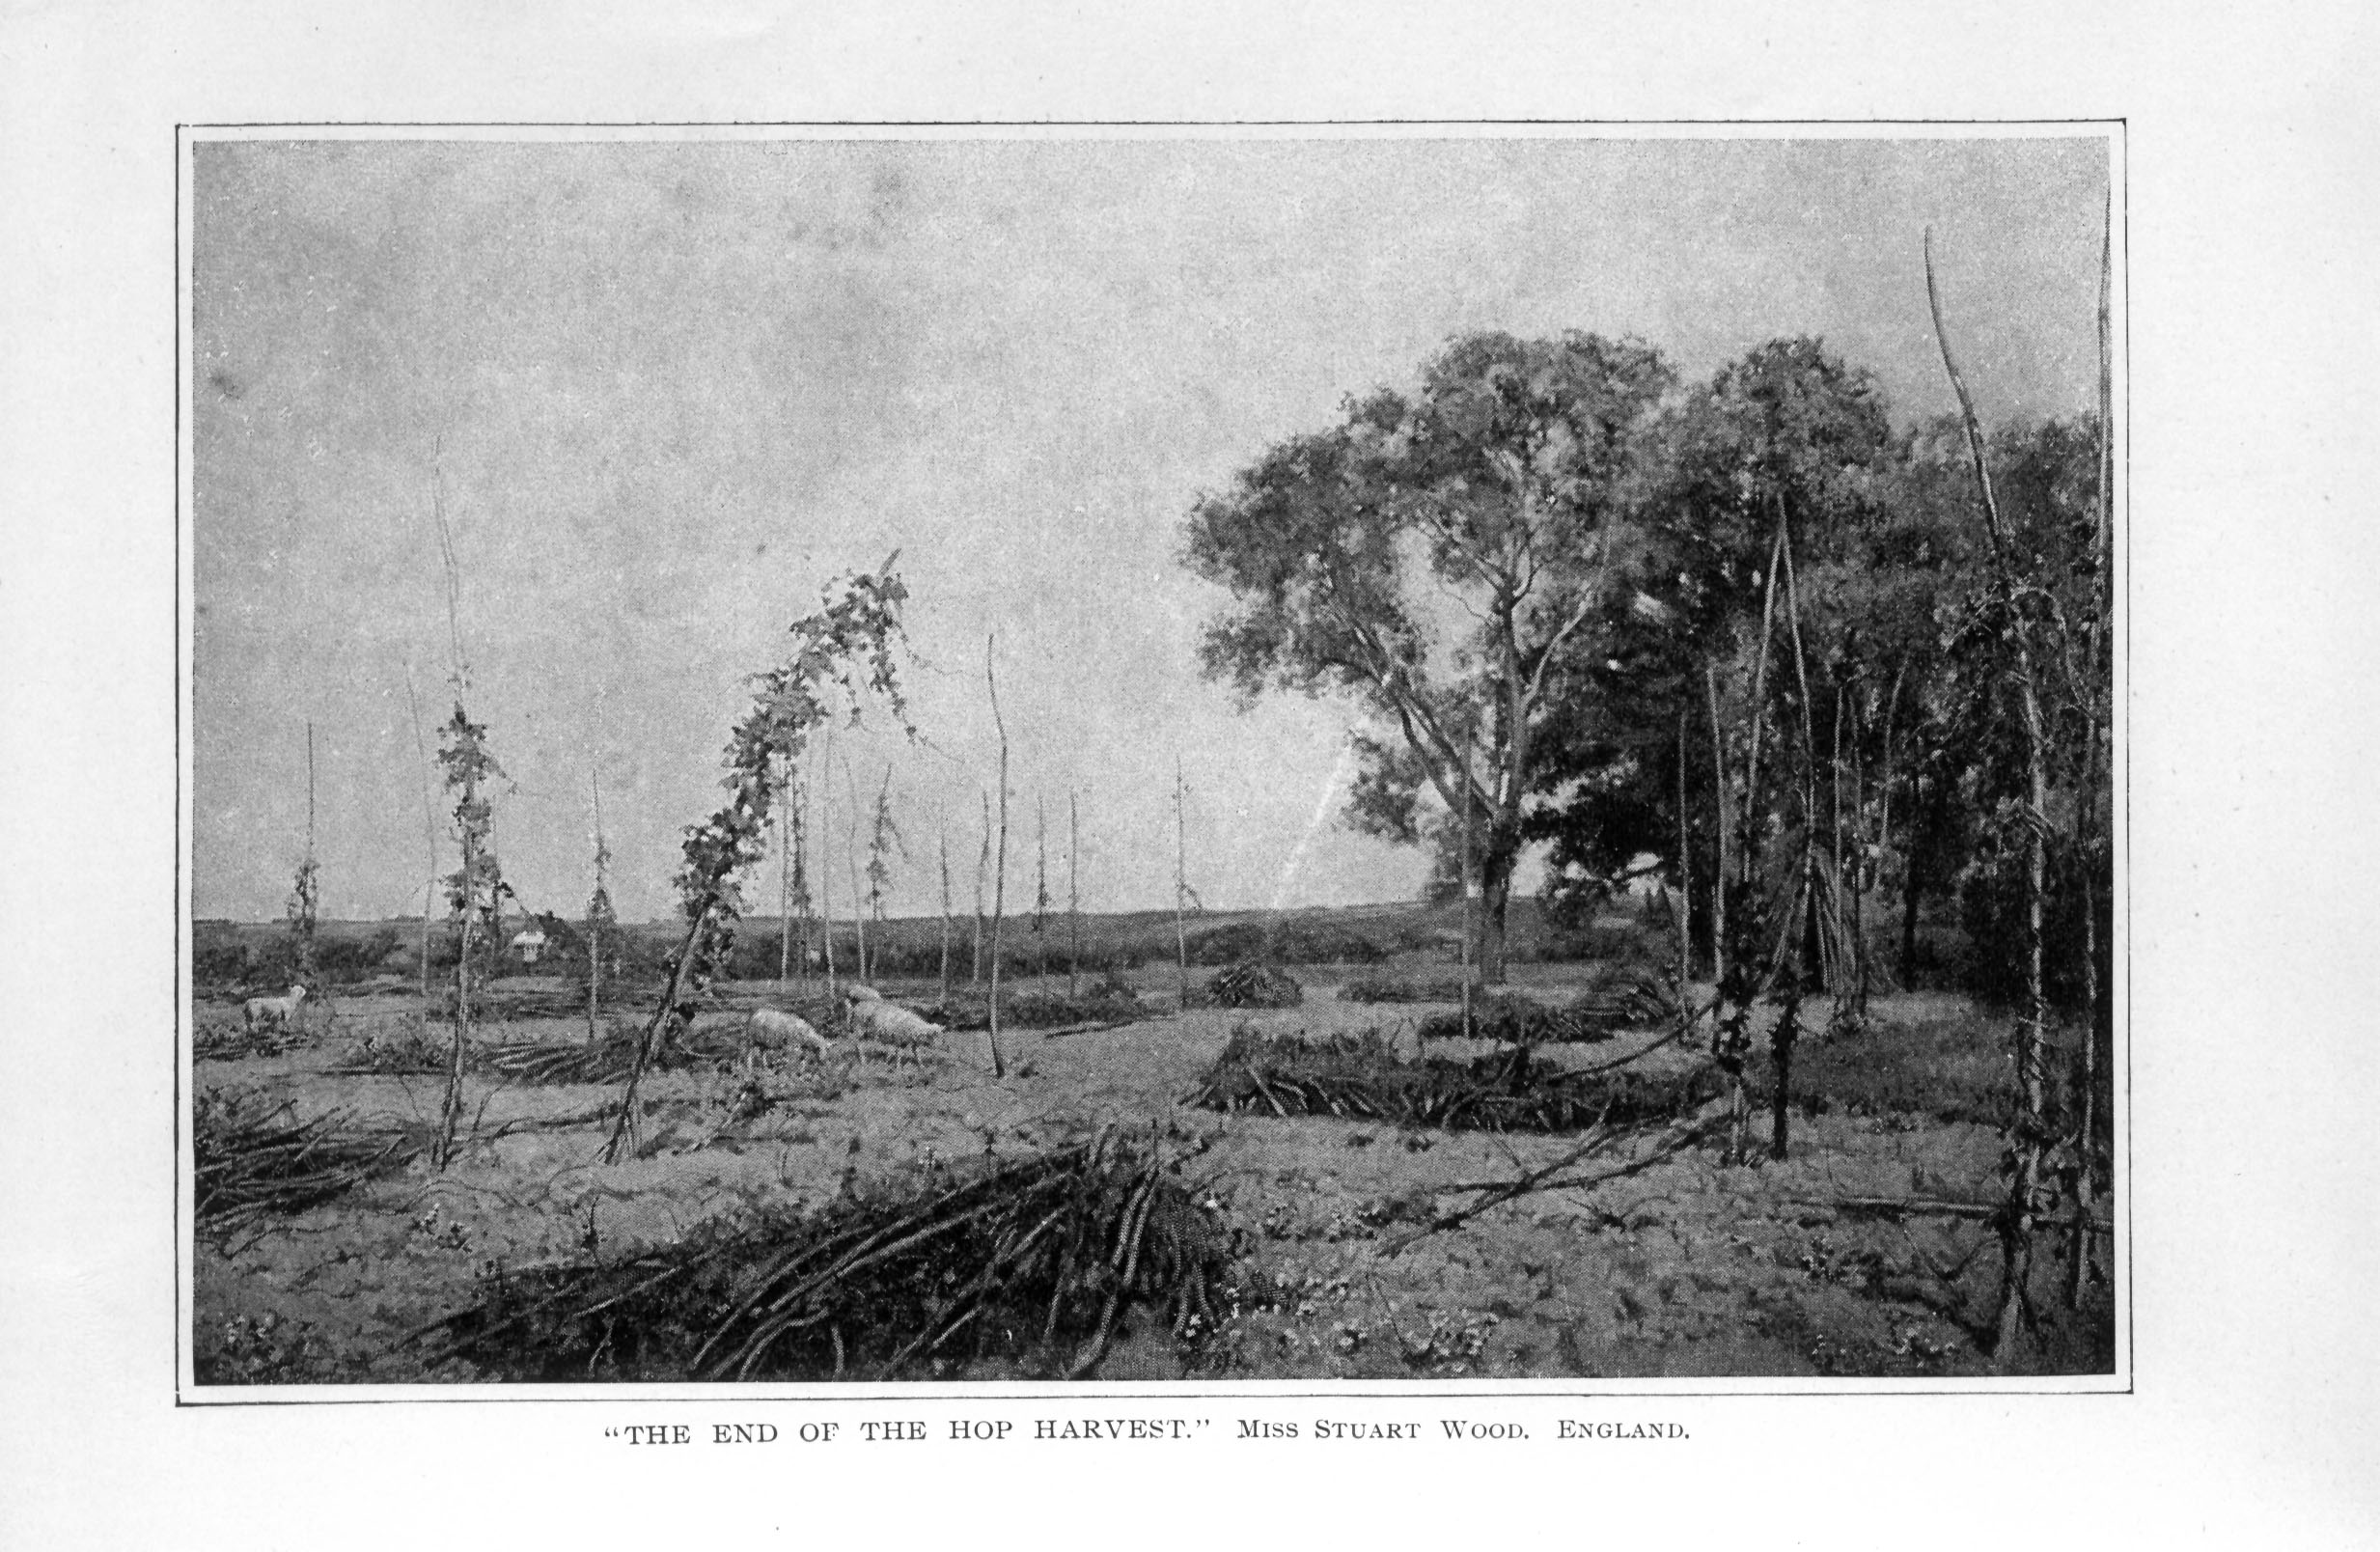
<point>1338,1268</point>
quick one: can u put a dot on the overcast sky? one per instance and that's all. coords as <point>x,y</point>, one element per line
<point>670,389</point>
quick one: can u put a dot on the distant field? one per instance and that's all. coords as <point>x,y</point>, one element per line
<point>228,953</point>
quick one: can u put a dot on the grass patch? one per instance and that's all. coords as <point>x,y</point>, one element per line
<point>1361,1075</point>
<point>1026,1266</point>
<point>1953,1069</point>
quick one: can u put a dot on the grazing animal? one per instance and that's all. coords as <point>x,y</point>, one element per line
<point>273,1011</point>
<point>769,1029</point>
<point>875,1020</point>
<point>858,993</point>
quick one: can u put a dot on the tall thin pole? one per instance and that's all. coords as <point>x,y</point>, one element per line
<point>1685,889</point>
<point>1719,810</point>
<point>850,862</point>
<point>983,873</point>
<point>1463,873</point>
<point>2024,1160</point>
<point>430,834</point>
<point>1000,872</point>
<point>944,830</point>
<point>826,870</point>
<point>1074,899</point>
<point>788,821</point>
<point>1182,884</point>
<point>594,919</point>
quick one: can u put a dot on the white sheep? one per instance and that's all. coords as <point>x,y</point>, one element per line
<point>855,992</point>
<point>274,1011</point>
<point>886,1024</point>
<point>770,1029</point>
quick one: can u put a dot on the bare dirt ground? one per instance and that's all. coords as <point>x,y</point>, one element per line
<point>1690,1270</point>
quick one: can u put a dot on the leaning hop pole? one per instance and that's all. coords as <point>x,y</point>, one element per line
<point>841,654</point>
<point>2023,1161</point>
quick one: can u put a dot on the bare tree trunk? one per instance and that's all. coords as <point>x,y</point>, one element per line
<point>2016,1221</point>
<point>1000,872</point>
<point>1074,899</point>
<point>1495,900</point>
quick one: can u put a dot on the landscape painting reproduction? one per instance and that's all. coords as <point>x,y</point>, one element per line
<point>1190,757</point>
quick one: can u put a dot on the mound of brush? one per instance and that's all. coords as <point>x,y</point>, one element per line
<point>610,1059</point>
<point>1362,1076</point>
<point>1249,985</point>
<point>1024,1266</point>
<point>1593,1015</point>
<point>255,1157</point>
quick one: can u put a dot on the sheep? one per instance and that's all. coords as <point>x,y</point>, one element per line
<point>883,1022</point>
<point>769,1029</point>
<point>275,1010</point>
<point>858,993</point>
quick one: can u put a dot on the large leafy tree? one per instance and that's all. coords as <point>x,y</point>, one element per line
<point>1431,556</point>
<point>1789,439</point>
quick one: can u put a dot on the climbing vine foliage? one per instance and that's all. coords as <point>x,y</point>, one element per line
<point>843,657</point>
